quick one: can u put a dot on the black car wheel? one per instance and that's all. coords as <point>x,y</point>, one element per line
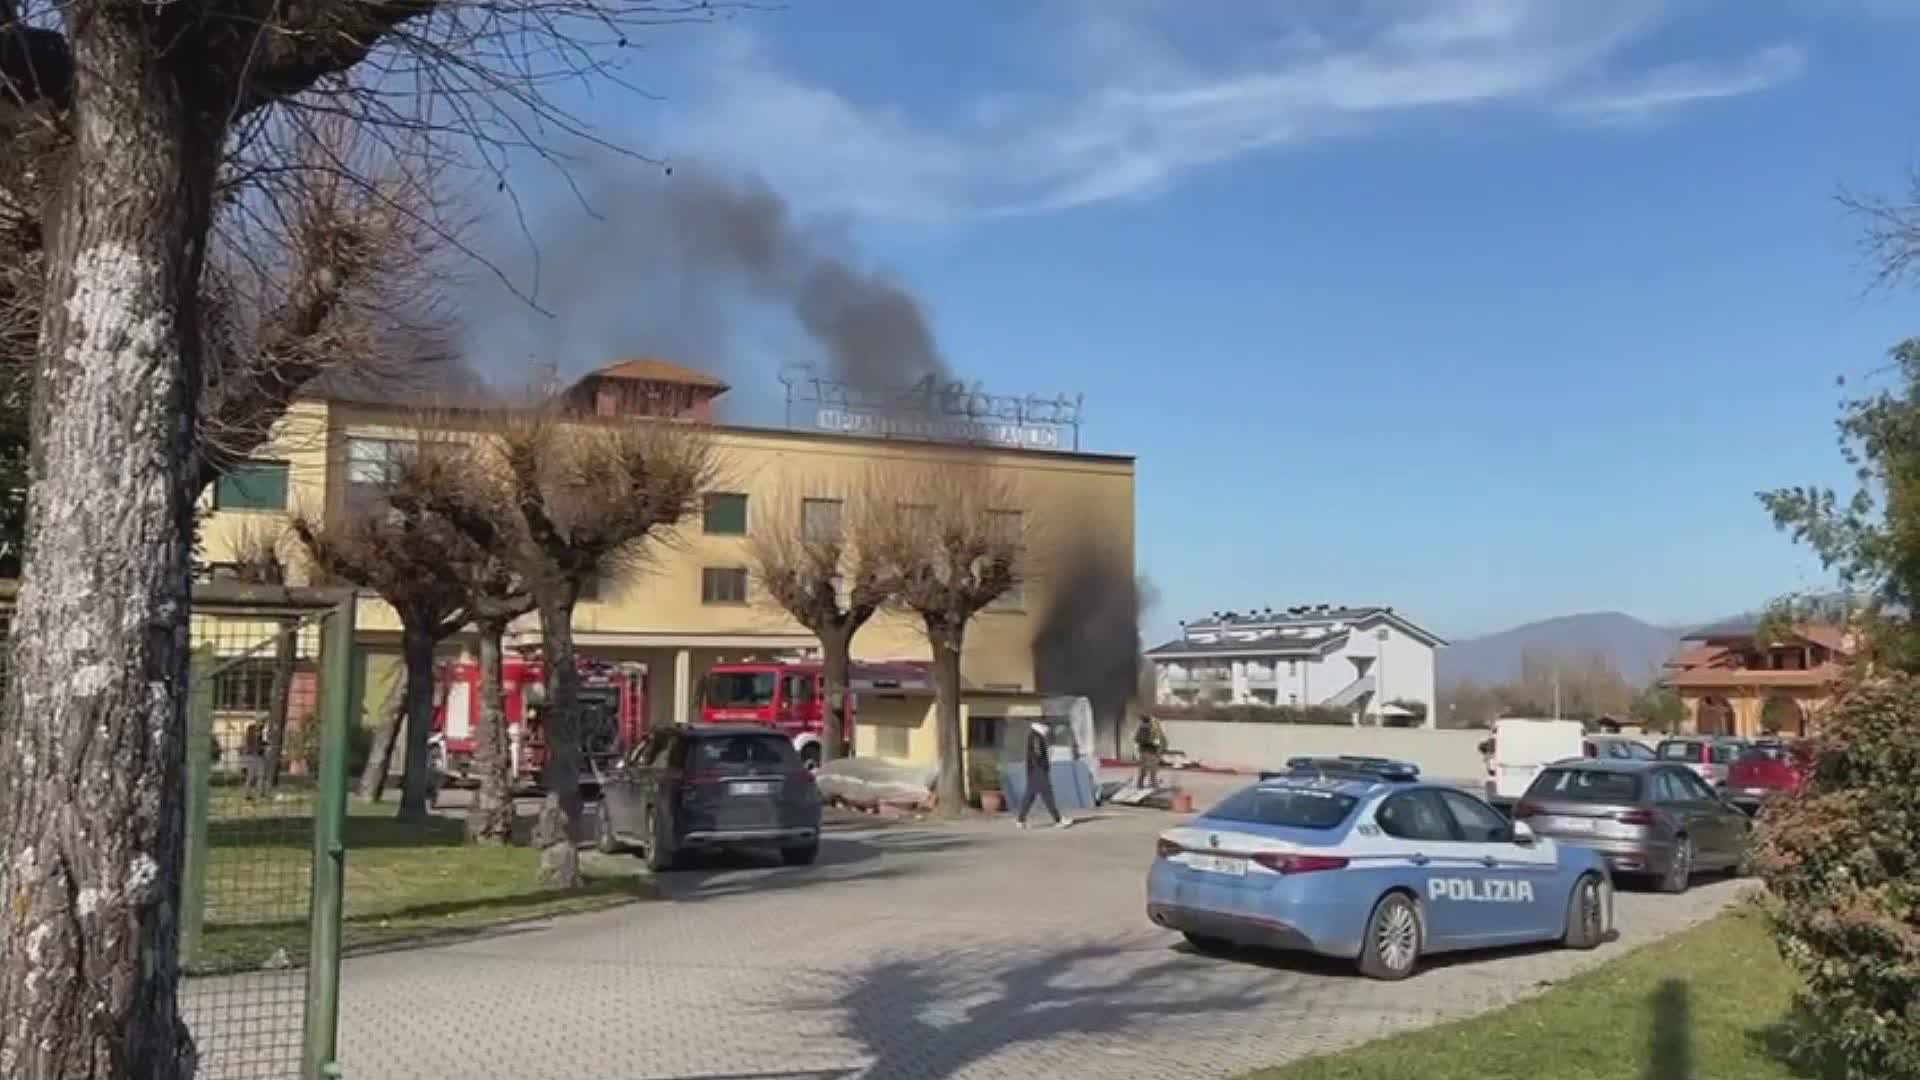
<point>800,854</point>
<point>1391,949</point>
<point>1586,914</point>
<point>660,853</point>
<point>1679,875</point>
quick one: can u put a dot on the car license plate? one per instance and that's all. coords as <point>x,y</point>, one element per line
<point>750,787</point>
<point>1573,825</point>
<point>1218,864</point>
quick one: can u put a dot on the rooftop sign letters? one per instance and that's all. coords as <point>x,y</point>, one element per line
<point>934,410</point>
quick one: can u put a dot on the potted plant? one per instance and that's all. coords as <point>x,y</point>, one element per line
<point>986,786</point>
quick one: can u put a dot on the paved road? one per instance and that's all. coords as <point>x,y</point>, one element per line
<point>909,952</point>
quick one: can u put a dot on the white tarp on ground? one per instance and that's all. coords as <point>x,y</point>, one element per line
<point>869,782</point>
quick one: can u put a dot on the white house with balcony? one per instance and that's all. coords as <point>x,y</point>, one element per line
<point>1371,661</point>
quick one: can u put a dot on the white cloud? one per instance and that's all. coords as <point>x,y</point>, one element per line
<point>1685,84</point>
<point>1149,98</point>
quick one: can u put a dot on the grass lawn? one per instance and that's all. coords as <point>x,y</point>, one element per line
<point>405,882</point>
<point>1708,1002</point>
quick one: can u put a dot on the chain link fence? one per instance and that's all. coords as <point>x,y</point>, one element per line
<point>255,756</point>
<point>266,792</point>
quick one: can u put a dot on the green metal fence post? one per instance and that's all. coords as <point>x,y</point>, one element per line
<point>329,847</point>
<point>193,881</point>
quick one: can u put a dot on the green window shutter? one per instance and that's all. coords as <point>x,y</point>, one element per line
<point>252,485</point>
<point>726,514</point>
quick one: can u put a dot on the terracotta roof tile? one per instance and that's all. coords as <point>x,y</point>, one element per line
<point>1705,678</point>
<point>654,369</point>
<point>1833,637</point>
<point>1697,656</point>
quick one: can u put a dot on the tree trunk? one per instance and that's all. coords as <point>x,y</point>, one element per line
<point>92,779</point>
<point>559,822</point>
<point>491,819</point>
<point>393,709</point>
<point>416,647</point>
<point>949,790</point>
<point>836,649</point>
<point>285,657</point>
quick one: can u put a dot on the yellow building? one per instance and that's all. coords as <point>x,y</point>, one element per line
<point>696,602</point>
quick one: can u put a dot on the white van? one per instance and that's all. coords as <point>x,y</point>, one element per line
<point>1522,747</point>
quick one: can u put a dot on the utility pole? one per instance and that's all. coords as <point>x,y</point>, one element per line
<point>1556,688</point>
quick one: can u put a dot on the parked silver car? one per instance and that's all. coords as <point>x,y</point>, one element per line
<point>1709,756</point>
<point>1646,818</point>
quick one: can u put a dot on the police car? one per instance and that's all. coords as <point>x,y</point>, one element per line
<point>1379,872</point>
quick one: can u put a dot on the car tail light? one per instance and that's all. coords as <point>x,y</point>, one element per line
<point>1524,809</point>
<point>1299,864</point>
<point>1167,849</point>
<point>1634,817</point>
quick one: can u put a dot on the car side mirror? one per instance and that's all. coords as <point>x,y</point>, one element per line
<point>1522,833</point>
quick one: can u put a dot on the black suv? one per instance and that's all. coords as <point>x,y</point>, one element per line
<point>710,786</point>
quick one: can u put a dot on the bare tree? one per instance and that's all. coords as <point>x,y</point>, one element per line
<point>1890,232</point>
<point>592,497</point>
<point>496,599</point>
<point>324,263</point>
<point>402,553</point>
<point>812,557</point>
<point>475,497</point>
<point>136,105</point>
<point>951,541</point>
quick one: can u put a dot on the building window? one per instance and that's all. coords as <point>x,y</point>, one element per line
<point>723,585</point>
<point>820,519</point>
<point>245,687</point>
<point>892,742</point>
<point>372,467</point>
<point>597,589</point>
<point>1293,667</point>
<point>252,485</point>
<point>726,514</point>
<point>1009,527</point>
<point>983,732</point>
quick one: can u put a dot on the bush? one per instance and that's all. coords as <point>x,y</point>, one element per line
<point>985,774</point>
<point>1259,714</point>
<point>1842,860</point>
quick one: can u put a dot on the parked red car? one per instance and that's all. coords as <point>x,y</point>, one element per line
<point>1765,771</point>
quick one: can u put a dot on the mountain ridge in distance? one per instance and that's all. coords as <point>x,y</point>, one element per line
<point>1636,649</point>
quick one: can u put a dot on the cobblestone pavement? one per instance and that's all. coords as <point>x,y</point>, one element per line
<point>969,950</point>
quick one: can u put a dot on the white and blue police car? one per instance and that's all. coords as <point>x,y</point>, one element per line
<point>1379,872</point>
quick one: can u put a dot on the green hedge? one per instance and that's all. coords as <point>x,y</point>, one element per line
<point>1260,714</point>
<point>1841,858</point>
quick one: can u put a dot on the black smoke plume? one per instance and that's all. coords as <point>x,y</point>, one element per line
<point>1087,642</point>
<point>689,265</point>
<point>869,328</point>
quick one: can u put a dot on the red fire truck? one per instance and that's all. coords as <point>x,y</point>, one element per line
<point>612,714</point>
<point>791,695</point>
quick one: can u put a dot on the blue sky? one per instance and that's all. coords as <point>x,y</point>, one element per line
<point>1490,310</point>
